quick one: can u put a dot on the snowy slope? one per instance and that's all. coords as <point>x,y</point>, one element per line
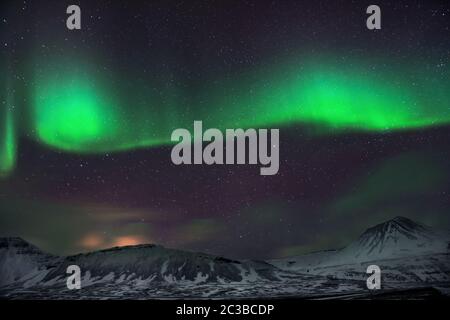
<point>405,251</point>
<point>19,259</point>
<point>153,263</point>
<point>24,264</point>
<point>399,237</point>
<point>411,256</point>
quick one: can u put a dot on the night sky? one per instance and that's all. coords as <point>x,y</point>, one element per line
<point>86,118</point>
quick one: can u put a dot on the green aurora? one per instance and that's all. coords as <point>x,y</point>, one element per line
<point>84,111</point>
<point>8,138</point>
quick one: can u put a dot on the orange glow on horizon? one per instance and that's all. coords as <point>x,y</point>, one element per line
<point>92,241</point>
<point>128,241</point>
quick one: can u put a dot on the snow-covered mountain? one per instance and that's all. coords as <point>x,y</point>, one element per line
<point>146,263</point>
<point>399,237</point>
<point>19,259</point>
<point>410,256</point>
<point>24,264</point>
<point>405,251</point>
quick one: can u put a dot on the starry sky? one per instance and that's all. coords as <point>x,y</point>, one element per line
<point>86,118</point>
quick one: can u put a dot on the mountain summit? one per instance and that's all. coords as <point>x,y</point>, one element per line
<point>395,238</point>
<point>19,258</point>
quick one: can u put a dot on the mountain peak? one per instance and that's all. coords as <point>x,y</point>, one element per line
<point>401,219</point>
<point>399,236</point>
<point>401,225</point>
<point>404,221</point>
<point>7,242</point>
<point>19,245</point>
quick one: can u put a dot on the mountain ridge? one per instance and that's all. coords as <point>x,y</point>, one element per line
<point>143,261</point>
<point>409,254</point>
<point>398,239</point>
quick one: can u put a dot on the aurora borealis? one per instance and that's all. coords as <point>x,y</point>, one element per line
<point>86,119</point>
<point>8,144</point>
<point>77,112</point>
